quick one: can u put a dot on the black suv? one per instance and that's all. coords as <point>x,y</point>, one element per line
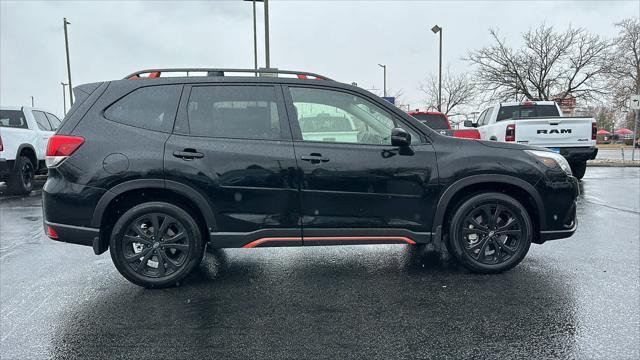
<point>156,167</point>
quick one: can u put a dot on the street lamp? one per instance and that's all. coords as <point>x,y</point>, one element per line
<point>437,29</point>
<point>66,45</point>
<point>384,87</point>
<point>64,98</point>
<point>255,36</point>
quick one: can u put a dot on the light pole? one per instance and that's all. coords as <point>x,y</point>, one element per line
<point>32,101</point>
<point>384,86</point>
<point>437,29</point>
<point>66,45</point>
<point>64,98</point>
<point>255,35</point>
<point>266,33</point>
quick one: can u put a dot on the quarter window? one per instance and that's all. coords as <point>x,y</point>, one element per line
<point>333,116</point>
<point>152,108</point>
<point>41,119</point>
<point>240,112</point>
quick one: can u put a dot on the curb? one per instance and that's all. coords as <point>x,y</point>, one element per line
<point>613,163</point>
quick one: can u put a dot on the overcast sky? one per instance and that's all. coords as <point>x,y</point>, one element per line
<point>344,40</point>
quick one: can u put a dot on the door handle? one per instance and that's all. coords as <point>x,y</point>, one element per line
<point>188,154</point>
<point>314,158</point>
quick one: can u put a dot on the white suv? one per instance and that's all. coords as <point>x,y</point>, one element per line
<point>24,133</point>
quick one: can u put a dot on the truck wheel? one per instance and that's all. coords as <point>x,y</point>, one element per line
<point>21,178</point>
<point>156,244</point>
<point>490,233</point>
<point>578,169</point>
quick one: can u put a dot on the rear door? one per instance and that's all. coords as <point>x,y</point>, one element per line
<point>232,143</point>
<point>354,182</point>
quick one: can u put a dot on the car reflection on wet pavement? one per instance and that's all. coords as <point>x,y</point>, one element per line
<point>573,298</point>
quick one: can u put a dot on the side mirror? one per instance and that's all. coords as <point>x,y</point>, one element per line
<point>400,137</point>
<point>469,123</point>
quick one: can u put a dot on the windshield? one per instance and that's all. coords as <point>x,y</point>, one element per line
<point>526,111</point>
<point>434,121</point>
<point>12,119</point>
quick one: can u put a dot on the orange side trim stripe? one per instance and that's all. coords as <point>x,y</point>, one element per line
<point>330,238</point>
<point>268,239</point>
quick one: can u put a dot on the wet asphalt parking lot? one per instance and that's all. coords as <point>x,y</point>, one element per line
<point>573,298</point>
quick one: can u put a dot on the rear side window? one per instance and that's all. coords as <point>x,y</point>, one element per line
<point>240,112</point>
<point>54,121</point>
<point>42,121</point>
<point>526,111</point>
<point>152,107</point>
<point>12,119</point>
<point>434,121</point>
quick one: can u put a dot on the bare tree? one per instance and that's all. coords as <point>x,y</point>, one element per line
<point>457,90</point>
<point>550,65</point>
<point>624,64</point>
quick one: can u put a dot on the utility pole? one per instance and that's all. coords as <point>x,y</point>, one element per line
<point>64,98</point>
<point>437,29</point>
<point>255,39</point>
<point>266,32</point>
<point>32,102</point>
<point>66,45</point>
<point>384,86</point>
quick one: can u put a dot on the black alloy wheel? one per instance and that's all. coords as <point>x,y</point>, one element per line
<point>490,233</point>
<point>156,244</point>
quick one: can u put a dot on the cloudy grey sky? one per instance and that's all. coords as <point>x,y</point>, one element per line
<point>344,40</point>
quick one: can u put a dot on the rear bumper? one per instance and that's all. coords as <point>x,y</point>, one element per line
<point>72,234</point>
<point>5,169</point>
<point>579,154</point>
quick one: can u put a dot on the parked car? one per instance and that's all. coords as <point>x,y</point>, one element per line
<point>440,122</point>
<point>541,123</point>
<point>24,132</point>
<point>230,161</point>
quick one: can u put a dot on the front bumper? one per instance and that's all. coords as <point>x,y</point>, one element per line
<point>579,154</point>
<point>559,194</point>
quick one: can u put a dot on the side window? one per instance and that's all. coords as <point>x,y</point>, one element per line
<point>54,121</point>
<point>334,116</point>
<point>487,116</point>
<point>481,118</point>
<point>152,107</point>
<point>240,112</point>
<point>42,121</point>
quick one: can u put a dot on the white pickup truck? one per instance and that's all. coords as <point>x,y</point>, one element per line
<point>541,123</point>
<point>24,133</point>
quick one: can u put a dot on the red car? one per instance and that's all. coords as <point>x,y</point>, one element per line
<point>440,123</point>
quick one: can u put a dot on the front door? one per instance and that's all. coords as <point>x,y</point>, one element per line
<point>355,184</point>
<point>232,143</point>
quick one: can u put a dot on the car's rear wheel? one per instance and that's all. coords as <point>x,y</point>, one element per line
<point>156,244</point>
<point>21,179</point>
<point>490,233</point>
<point>578,169</point>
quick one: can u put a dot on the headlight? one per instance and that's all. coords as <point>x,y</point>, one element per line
<point>551,160</point>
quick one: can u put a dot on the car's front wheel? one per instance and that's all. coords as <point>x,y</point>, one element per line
<point>156,244</point>
<point>490,233</point>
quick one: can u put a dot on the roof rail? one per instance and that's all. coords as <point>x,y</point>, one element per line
<point>155,73</point>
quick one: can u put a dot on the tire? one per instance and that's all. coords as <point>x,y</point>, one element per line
<point>578,169</point>
<point>20,180</point>
<point>136,245</point>
<point>484,245</point>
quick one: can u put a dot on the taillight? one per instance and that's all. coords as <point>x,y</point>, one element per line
<point>594,130</point>
<point>510,134</point>
<point>51,232</point>
<point>60,147</point>
<point>1,145</point>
